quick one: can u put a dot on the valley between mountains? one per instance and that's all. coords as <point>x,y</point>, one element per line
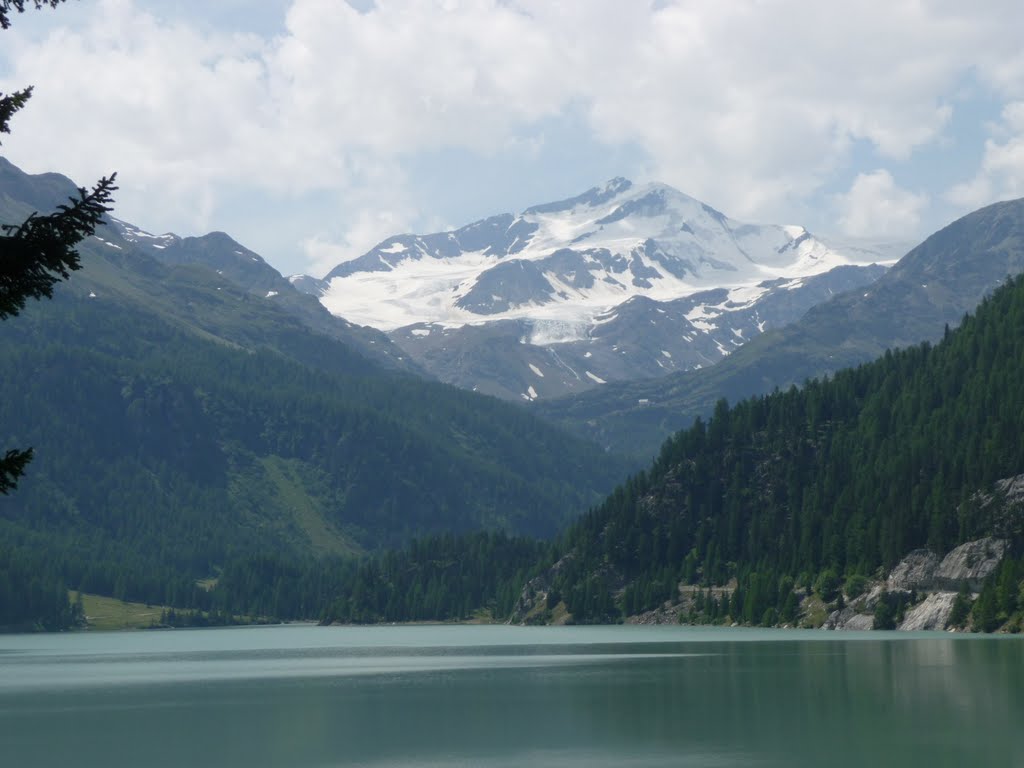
<point>621,406</point>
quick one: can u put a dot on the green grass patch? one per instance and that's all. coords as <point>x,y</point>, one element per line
<point>106,613</point>
<point>305,511</point>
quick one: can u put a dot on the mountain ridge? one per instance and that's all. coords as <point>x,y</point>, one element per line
<point>666,245</point>
<point>231,267</point>
<point>545,285</point>
<point>934,285</point>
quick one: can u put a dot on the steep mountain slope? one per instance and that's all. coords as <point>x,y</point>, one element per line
<point>158,449</point>
<point>639,339</point>
<point>839,478</point>
<point>601,287</point>
<point>933,285</point>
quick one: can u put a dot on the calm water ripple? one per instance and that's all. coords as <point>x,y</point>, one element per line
<point>431,696</point>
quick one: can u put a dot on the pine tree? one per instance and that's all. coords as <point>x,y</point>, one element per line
<point>961,608</point>
<point>885,612</point>
<point>986,610</point>
<point>39,252</point>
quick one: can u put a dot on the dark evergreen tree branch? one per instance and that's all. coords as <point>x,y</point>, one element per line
<point>10,104</point>
<point>12,465</point>
<point>38,253</point>
<point>34,256</point>
<point>7,7</point>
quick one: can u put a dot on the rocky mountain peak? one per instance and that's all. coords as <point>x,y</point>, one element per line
<point>552,286</point>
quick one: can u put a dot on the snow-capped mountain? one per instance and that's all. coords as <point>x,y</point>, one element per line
<point>621,282</point>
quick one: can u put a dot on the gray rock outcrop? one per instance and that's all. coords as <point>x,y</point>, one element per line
<point>849,618</point>
<point>1012,489</point>
<point>932,613</point>
<point>1003,505</point>
<point>859,623</point>
<point>972,562</point>
<point>938,580</point>
<point>916,571</point>
<point>534,595</point>
<point>923,570</point>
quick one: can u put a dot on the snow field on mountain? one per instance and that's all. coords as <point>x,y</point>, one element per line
<point>650,241</point>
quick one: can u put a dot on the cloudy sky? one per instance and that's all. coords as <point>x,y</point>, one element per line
<point>311,129</point>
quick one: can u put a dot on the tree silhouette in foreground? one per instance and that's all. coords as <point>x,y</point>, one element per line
<point>39,252</point>
<point>9,6</point>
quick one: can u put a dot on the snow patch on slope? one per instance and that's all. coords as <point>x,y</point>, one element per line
<point>564,266</point>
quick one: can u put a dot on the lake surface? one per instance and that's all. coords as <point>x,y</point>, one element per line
<point>430,696</point>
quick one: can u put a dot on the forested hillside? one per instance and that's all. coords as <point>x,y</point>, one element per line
<point>199,446</point>
<point>808,490</point>
<point>161,455</point>
<point>792,492</point>
<point>841,477</point>
<point>437,578</point>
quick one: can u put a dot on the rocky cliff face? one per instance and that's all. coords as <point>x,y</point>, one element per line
<point>531,607</point>
<point>922,572</point>
<point>932,613</point>
<point>914,572</point>
<point>849,620</point>
<point>1003,507</point>
<point>972,562</point>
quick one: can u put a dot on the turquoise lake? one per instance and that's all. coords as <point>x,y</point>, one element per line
<point>420,696</point>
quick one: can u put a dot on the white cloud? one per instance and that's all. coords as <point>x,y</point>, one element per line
<point>365,228</point>
<point>752,106</point>
<point>373,206</point>
<point>876,206</point>
<point>1001,174</point>
<point>172,110</point>
<point>323,254</point>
